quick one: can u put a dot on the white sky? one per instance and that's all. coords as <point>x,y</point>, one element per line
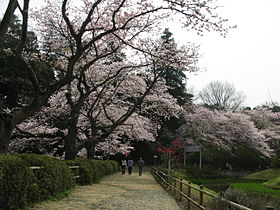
<point>248,57</point>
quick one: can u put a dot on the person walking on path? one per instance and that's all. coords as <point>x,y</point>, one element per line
<point>130,166</point>
<point>123,165</point>
<point>140,164</point>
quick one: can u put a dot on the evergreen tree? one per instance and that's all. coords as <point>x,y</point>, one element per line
<point>176,81</point>
<point>176,78</point>
<point>15,85</point>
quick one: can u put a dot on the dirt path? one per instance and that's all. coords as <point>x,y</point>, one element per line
<point>129,192</point>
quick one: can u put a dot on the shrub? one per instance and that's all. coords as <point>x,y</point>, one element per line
<point>216,157</point>
<point>275,162</point>
<point>55,176</point>
<point>253,201</point>
<point>17,183</point>
<point>108,166</point>
<point>115,165</point>
<point>92,170</point>
<point>205,172</point>
<point>249,159</point>
<point>85,171</point>
<point>20,186</point>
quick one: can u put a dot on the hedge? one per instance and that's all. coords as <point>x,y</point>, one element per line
<point>54,177</point>
<point>17,183</point>
<point>20,186</point>
<point>92,170</point>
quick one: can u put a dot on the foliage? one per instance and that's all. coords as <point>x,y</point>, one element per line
<point>273,183</point>
<point>15,87</point>
<point>256,202</point>
<point>264,175</point>
<point>226,180</point>
<point>248,158</point>
<point>175,78</point>
<point>91,171</point>
<point>221,159</point>
<point>214,156</point>
<point>275,162</point>
<point>54,177</point>
<point>21,186</point>
<point>176,84</point>
<point>205,172</point>
<point>174,150</point>
<point>75,40</point>
<point>17,183</point>
<point>242,157</point>
<point>224,129</point>
<point>257,188</point>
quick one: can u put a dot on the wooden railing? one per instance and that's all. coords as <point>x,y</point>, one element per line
<point>185,190</point>
<point>73,168</point>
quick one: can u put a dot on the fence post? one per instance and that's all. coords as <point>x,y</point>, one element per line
<point>189,195</point>
<point>181,187</point>
<point>201,195</point>
<point>175,187</point>
<point>165,180</point>
<point>169,183</point>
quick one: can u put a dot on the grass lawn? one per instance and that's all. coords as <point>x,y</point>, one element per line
<point>257,188</point>
<point>273,183</point>
<point>265,174</point>
<point>221,181</point>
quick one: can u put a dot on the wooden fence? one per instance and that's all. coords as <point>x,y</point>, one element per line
<point>185,190</point>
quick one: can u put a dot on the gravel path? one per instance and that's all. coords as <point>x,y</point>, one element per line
<point>129,192</point>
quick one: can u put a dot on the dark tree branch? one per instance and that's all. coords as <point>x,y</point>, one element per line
<point>24,26</point>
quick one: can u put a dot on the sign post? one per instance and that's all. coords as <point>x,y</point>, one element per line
<point>193,148</point>
<point>155,159</point>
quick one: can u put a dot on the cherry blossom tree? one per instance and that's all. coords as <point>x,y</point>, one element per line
<point>225,129</point>
<point>73,37</point>
<point>268,122</point>
<point>123,87</point>
<point>101,122</point>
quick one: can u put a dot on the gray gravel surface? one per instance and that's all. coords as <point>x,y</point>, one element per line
<point>129,192</point>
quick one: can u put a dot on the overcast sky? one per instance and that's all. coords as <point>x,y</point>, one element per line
<point>248,57</point>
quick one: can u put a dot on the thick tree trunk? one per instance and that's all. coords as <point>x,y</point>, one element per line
<point>90,147</point>
<point>70,148</point>
<point>6,129</point>
<point>70,144</point>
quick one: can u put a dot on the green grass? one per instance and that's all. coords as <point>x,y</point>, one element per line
<point>195,193</point>
<point>221,181</point>
<point>256,188</point>
<point>273,183</point>
<point>265,174</point>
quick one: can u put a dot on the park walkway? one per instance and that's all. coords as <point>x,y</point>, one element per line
<point>118,192</point>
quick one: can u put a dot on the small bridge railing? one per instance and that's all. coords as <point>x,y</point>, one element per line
<point>184,190</point>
